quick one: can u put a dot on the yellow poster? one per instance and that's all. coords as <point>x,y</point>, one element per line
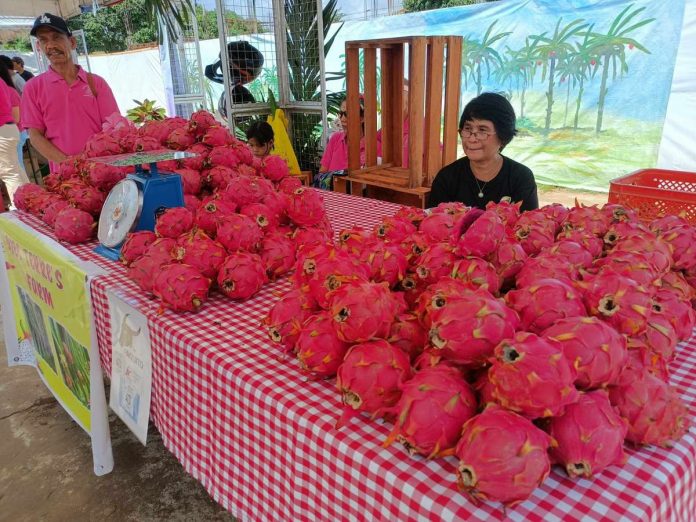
<point>48,293</point>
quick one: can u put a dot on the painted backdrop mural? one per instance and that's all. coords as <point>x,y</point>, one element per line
<point>589,80</point>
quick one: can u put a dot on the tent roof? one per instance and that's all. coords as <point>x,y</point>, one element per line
<point>12,22</point>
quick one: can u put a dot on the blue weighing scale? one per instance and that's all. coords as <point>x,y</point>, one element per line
<point>134,203</point>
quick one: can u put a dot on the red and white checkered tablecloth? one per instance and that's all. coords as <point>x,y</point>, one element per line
<point>260,438</point>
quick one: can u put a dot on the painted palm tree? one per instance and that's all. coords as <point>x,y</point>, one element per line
<point>479,53</point>
<point>551,50</point>
<point>518,67</point>
<point>609,50</point>
<point>578,67</point>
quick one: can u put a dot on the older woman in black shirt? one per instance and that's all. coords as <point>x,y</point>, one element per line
<point>487,125</point>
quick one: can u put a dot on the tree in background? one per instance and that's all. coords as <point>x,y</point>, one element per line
<point>412,6</point>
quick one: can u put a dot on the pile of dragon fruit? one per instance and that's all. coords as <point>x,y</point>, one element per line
<point>510,341</point>
<point>72,197</point>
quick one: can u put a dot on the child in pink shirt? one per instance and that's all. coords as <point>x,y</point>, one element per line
<point>336,153</point>
<point>10,171</point>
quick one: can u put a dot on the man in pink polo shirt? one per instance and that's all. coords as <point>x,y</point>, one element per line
<point>65,106</point>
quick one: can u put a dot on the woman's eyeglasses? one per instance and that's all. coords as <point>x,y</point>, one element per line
<point>341,114</point>
<point>466,133</point>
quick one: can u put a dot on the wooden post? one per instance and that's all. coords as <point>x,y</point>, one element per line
<point>416,100</point>
<point>452,95</point>
<point>353,107</point>
<point>370,65</point>
<point>433,105</point>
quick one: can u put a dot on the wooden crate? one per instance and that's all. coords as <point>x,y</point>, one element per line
<point>434,65</point>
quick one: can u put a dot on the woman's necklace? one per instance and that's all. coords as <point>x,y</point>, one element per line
<point>478,185</point>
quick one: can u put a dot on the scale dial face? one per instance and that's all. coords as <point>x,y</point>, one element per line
<point>120,213</point>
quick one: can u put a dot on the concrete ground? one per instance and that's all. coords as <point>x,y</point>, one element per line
<point>46,466</point>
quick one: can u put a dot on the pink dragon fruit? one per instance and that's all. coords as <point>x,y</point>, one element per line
<point>555,211</point>
<point>593,244</point>
<point>264,217</point>
<point>197,249</point>
<point>571,252</point>
<point>103,176</point>
<point>482,237</point>
<point>163,248</point>
<point>590,436</point>
<point>86,198</point>
<point>682,239</point>
<point>433,406</point>
<point>370,377</point>
<point>508,260</point>
<point>331,272</point>
<point>274,168</point>
<point>146,143</point>
<point>285,319</point>
<point>469,327</point>
<point>216,136</point>
<point>675,283</point>
<point>211,212</point>
<point>677,309</point>
<point>435,262</point>
<point>623,229</point>
<point>180,139</point>
<point>545,302</point>
<point>408,335</point>
<point>308,256</point>
<point>362,311</point>
<point>595,349</point>
<point>244,191</point>
<point>660,335</point>
<point>278,254</point>
<point>619,213</point>
<point>634,265</point>
<point>239,232</point>
<point>289,185</point>
<point>502,457</point>
<point>318,348</point>
<point>412,214</point>
<point>135,245</point>
<point>306,207</point>
<point>666,223</point>
<point>387,263</point>
<point>200,160</point>
<point>200,121</point>
<point>102,145</point>
<point>508,212</point>
<point>223,157</point>
<point>145,268</point>
<point>590,219</point>
<point>642,359</point>
<point>654,248</point>
<point>654,412</point>
<point>241,275</point>
<point>545,267</point>
<point>535,231</point>
<point>356,240</point>
<point>277,203</point>
<point>413,246</point>
<point>191,180</point>
<point>393,229</point>
<point>411,288</point>
<point>532,377</point>
<point>439,226</point>
<point>476,271</point>
<point>74,226</point>
<point>192,203</point>
<point>181,288</point>
<point>439,294</point>
<point>52,211</point>
<point>620,301</point>
<point>174,222</point>
<point>218,177</point>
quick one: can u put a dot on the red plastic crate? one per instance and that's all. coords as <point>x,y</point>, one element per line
<point>656,193</point>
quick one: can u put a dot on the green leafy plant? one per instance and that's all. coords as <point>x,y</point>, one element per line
<point>145,111</point>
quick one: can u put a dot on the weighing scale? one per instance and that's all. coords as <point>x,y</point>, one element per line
<point>134,203</point>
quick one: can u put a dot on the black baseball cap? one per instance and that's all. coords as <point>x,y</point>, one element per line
<point>52,22</point>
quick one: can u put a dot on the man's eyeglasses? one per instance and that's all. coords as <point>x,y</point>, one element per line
<point>479,135</point>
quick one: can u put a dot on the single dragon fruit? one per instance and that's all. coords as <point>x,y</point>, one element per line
<point>362,311</point>
<point>435,262</point>
<point>482,237</point>
<point>508,212</point>
<point>433,406</point>
<point>535,231</point>
<point>370,377</point>
<point>393,229</point>
<point>502,457</point>
<point>654,411</point>
<point>74,226</point>
<point>306,207</point>
<point>620,301</point>
<point>174,222</point>
<point>531,376</point>
<point>278,254</point>
<point>508,260</point>
<point>211,212</point>
<point>197,249</point>
<point>678,311</point>
<point>387,263</point>
<point>438,295</point>
<point>532,303</point>
<point>590,219</point>
<point>596,350</point>
<point>439,226</point>
<point>544,267</point>
<point>181,288</point>
<point>593,244</point>
<point>103,176</point>
<point>654,248</point>
<point>52,211</point>
<point>136,245</point>
<point>274,168</point>
<point>180,139</point>
<point>478,272</point>
<point>145,268</point>
<point>241,275</point>
<point>589,434</point>
<point>200,160</point>
<point>216,136</point>
<point>218,177</point>
<point>285,319</point>
<point>84,197</point>
<point>237,232</point>
<point>356,240</point>
<point>467,330</point>
<point>407,334</point>
<point>682,239</point>
<point>318,348</point>
<point>333,271</point>
<point>200,121</point>
<point>191,180</point>
<point>634,265</point>
<point>264,217</point>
